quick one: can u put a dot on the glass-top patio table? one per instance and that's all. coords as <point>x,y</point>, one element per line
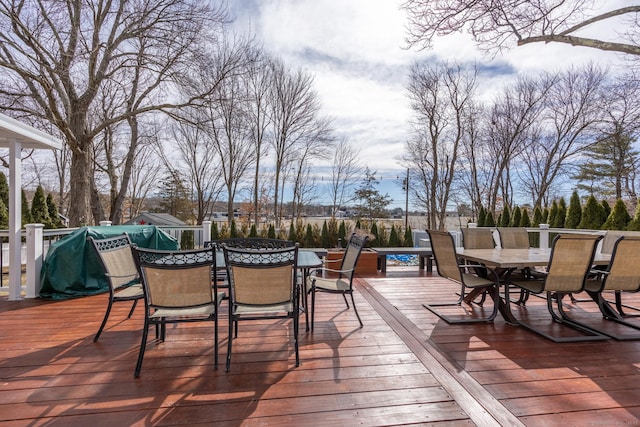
<point>507,260</point>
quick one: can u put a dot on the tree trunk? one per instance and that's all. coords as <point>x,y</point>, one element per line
<point>79,209</point>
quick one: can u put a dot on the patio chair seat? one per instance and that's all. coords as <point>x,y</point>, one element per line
<point>331,284</point>
<point>204,311</point>
<point>473,281</point>
<point>343,284</point>
<point>257,310</point>
<point>132,291</point>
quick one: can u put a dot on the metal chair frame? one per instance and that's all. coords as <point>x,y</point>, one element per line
<point>121,273</point>
<point>177,289</point>
<point>569,266</point>
<point>447,264</point>
<point>343,284</point>
<point>263,285</point>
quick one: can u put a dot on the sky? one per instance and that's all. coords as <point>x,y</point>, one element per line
<point>356,51</point>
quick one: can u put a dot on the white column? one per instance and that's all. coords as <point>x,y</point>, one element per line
<point>206,231</point>
<point>544,236</point>
<point>15,220</point>
<point>34,258</point>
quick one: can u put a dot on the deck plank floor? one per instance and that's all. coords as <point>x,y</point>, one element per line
<point>405,367</point>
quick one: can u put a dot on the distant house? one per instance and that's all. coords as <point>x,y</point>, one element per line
<point>153,218</point>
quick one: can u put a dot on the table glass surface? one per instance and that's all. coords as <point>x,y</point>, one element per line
<point>516,258</point>
<point>306,259</point>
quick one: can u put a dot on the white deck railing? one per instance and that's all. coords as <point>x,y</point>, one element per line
<point>37,240</point>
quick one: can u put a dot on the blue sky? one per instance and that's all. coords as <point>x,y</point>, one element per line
<point>356,51</point>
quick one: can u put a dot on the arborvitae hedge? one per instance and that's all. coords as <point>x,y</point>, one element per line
<point>562,213</point>
<point>619,217</point>
<point>408,237</point>
<point>591,215</point>
<point>516,217</point>
<point>634,225</point>
<point>482,217</point>
<point>525,221</point>
<point>489,221</point>
<point>574,214</point>
<point>505,219</point>
<point>326,241</point>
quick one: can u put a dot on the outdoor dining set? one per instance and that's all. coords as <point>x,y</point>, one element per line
<point>260,278</point>
<point>507,275</point>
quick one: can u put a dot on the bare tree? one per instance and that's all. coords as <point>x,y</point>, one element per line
<point>495,23</point>
<point>144,178</point>
<point>258,85</point>
<point>62,159</point>
<point>440,95</point>
<point>294,118</point>
<point>199,157</point>
<point>316,146</point>
<point>344,170</point>
<point>231,134</point>
<point>55,56</point>
<point>609,166</point>
<point>514,119</point>
<point>572,111</point>
<point>306,189</point>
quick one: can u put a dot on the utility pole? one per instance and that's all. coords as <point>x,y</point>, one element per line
<point>405,187</point>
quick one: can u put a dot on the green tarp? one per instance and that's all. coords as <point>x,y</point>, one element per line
<point>72,268</point>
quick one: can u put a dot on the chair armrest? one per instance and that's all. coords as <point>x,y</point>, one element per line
<point>135,276</point>
<point>331,270</point>
<point>471,266</point>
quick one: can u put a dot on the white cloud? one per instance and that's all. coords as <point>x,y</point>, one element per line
<point>355,50</point>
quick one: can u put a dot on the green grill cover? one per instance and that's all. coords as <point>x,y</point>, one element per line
<point>72,267</point>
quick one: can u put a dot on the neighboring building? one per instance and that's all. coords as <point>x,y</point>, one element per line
<point>155,218</point>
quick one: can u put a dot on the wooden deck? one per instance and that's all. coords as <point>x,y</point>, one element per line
<point>405,367</point>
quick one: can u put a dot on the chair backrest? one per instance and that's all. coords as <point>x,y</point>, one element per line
<point>514,238</point>
<point>444,252</point>
<point>177,279</point>
<point>477,238</point>
<point>262,277</point>
<point>571,260</point>
<point>352,254</point>
<point>258,243</point>
<point>624,268</point>
<point>117,260</point>
<point>609,240</point>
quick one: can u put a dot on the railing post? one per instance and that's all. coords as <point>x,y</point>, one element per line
<point>34,259</point>
<point>544,236</point>
<point>206,231</point>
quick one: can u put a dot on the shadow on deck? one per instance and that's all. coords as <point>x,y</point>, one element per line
<point>405,366</point>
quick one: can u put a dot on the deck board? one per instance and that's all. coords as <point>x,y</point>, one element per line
<point>406,366</point>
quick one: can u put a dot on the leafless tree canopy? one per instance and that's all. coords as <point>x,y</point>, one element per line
<point>495,24</point>
<point>57,56</point>
<point>441,95</point>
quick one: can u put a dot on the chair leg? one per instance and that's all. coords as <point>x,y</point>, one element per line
<point>345,300</point>
<point>313,306</point>
<point>215,338</point>
<point>104,321</point>
<point>133,307</point>
<point>229,341</point>
<point>143,345</point>
<point>353,301</point>
<point>296,327</point>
